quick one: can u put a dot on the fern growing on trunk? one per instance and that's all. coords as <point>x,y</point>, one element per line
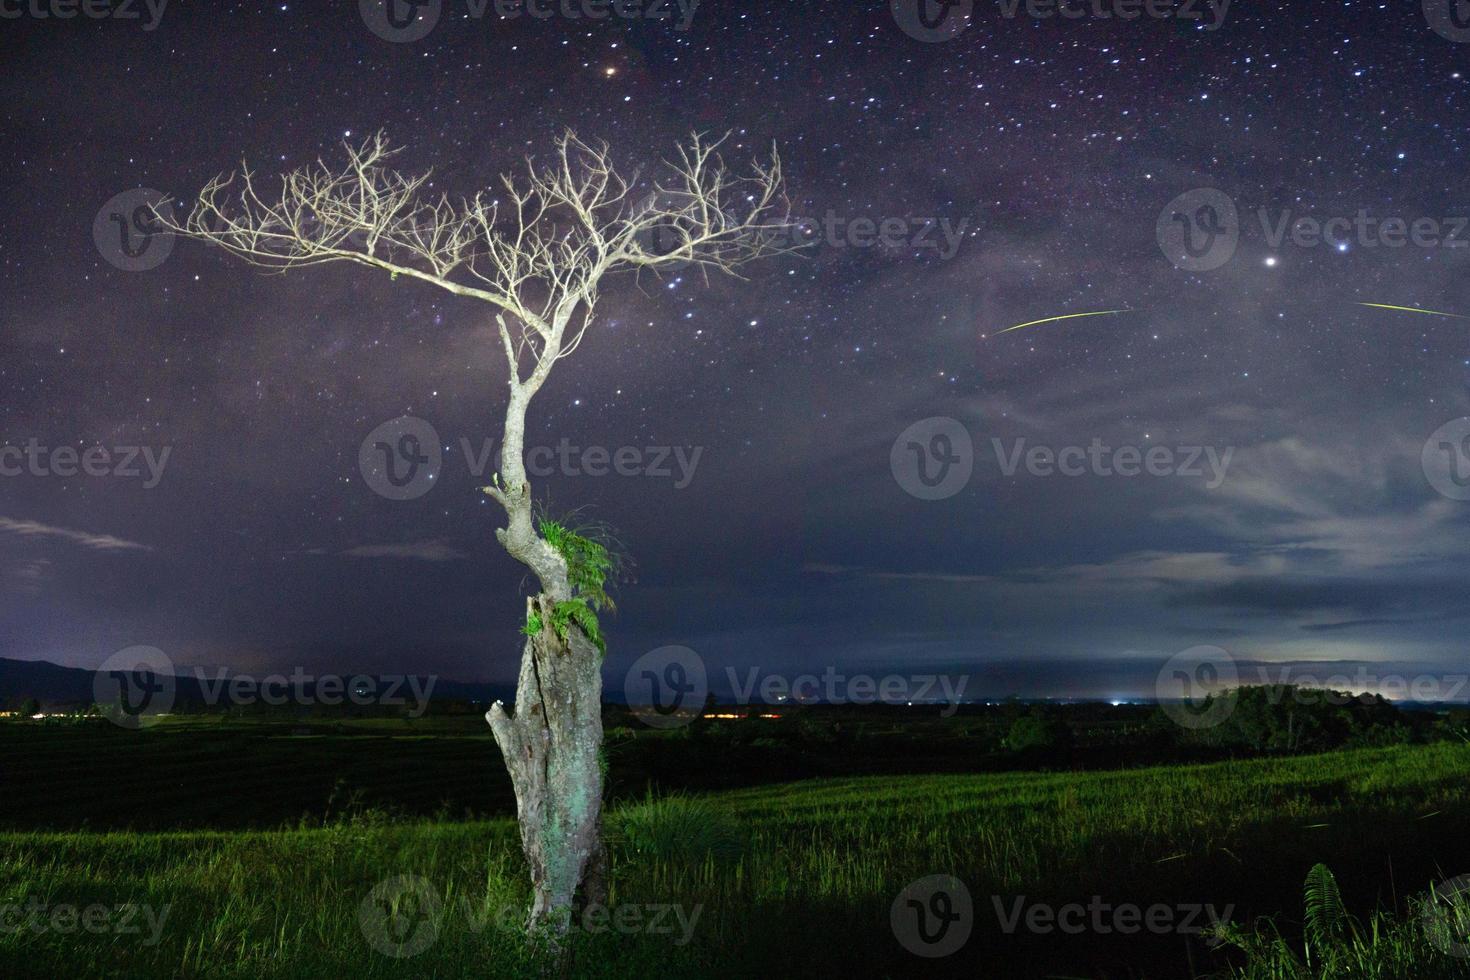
<point>595,560</point>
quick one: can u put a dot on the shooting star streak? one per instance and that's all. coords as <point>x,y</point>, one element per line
<point>1413,309</point>
<point>1054,319</point>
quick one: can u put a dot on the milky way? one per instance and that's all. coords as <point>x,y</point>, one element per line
<point>1025,169</point>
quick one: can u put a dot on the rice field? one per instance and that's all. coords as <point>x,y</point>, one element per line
<point>787,879</point>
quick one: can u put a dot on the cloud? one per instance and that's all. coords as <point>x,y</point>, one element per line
<point>26,576</point>
<point>1149,568</point>
<point>827,568</point>
<point>95,542</point>
<point>434,550</point>
<point>1353,624</point>
<point>1368,598</point>
<point>1351,499</point>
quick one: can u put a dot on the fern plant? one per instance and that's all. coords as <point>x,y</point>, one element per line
<point>1420,945</point>
<point>594,562</point>
<point>1326,916</point>
<point>576,610</point>
<point>590,562</point>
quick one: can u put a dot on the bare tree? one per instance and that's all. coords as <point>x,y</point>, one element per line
<point>538,252</point>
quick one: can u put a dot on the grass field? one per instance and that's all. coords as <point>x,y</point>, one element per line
<point>786,879</point>
<point>208,774</point>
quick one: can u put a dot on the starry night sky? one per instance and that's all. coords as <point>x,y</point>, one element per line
<point>794,547</point>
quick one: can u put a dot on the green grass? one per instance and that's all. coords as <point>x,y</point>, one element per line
<point>799,877</point>
<point>1433,941</point>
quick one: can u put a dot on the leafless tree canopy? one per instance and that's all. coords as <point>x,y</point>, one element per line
<point>538,250</point>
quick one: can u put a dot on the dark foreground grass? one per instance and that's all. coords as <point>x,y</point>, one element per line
<point>790,880</point>
<point>214,773</point>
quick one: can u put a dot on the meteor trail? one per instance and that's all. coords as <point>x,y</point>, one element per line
<point>1413,309</point>
<point>1054,319</point>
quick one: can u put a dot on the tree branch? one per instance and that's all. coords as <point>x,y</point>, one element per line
<point>538,254</point>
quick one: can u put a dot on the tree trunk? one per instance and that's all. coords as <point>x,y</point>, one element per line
<point>552,749</point>
<point>553,743</point>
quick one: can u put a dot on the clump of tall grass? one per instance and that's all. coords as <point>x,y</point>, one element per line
<point>676,829</point>
<point>1431,943</point>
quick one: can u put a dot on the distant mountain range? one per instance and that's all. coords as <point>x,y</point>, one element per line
<point>54,685</point>
<point>46,682</point>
